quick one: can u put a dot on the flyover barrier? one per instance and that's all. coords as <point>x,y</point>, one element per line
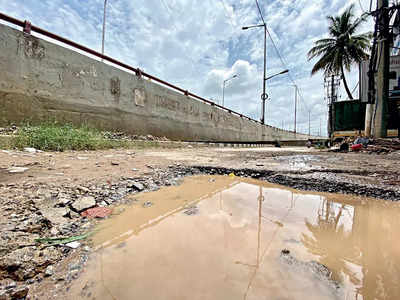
<point>41,80</point>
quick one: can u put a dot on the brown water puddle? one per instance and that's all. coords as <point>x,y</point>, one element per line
<point>222,237</point>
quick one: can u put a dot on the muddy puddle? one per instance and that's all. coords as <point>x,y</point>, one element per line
<point>222,238</point>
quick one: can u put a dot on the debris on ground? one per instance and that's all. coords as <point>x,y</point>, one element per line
<point>73,245</point>
<point>320,271</point>
<point>9,130</point>
<point>147,204</point>
<point>27,199</point>
<point>192,210</point>
<point>17,169</point>
<point>97,212</point>
<point>378,146</point>
<point>133,137</point>
<point>84,203</point>
<point>62,241</point>
<point>383,146</point>
<point>356,147</point>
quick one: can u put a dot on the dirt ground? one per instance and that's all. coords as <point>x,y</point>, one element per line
<point>43,193</point>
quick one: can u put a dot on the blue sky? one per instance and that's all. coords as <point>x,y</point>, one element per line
<point>196,44</point>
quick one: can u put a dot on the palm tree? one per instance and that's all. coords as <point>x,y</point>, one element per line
<point>343,48</point>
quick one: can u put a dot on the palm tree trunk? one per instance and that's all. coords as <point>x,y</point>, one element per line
<point>345,85</point>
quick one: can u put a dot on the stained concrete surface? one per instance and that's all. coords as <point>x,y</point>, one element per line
<point>42,81</point>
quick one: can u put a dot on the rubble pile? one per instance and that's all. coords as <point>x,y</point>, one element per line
<point>127,137</point>
<point>12,130</point>
<point>41,224</point>
<point>383,145</point>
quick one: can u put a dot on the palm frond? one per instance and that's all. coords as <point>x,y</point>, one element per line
<point>343,48</point>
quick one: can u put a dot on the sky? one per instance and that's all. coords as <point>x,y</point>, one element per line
<point>197,44</point>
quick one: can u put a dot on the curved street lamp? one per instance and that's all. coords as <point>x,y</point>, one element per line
<point>264,95</point>
<point>223,87</point>
<point>272,76</point>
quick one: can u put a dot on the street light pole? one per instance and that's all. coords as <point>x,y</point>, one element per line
<point>223,87</point>
<point>295,108</point>
<point>264,96</point>
<point>104,27</point>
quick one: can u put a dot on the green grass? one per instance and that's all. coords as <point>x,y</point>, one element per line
<point>58,137</point>
<point>52,136</point>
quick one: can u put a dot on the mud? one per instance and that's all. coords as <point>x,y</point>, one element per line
<point>53,182</point>
<point>307,184</point>
<point>339,247</point>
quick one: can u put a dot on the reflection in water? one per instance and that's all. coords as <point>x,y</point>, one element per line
<point>367,254</point>
<point>231,248</point>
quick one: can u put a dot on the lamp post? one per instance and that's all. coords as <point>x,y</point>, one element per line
<point>223,87</point>
<point>295,108</point>
<point>264,95</point>
<point>104,27</point>
<point>272,76</point>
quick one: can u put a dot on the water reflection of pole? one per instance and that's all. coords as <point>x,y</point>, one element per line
<point>260,200</point>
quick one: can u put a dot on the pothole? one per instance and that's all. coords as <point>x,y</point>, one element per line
<point>231,247</point>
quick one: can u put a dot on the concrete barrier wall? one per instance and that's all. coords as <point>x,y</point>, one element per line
<point>40,80</point>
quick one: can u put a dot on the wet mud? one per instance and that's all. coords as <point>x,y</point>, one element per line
<point>225,237</point>
<point>307,184</point>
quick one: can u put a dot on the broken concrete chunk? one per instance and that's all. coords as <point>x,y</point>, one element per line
<point>4,295</point>
<point>17,170</point>
<point>55,215</point>
<point>82,157</point>
<point>63,201</point>
<point>30,150</point>
<point>73,245</point>
<point>49,271</point>
<point>138,186</point>
<point>84,203</point>
<point>20,292</point>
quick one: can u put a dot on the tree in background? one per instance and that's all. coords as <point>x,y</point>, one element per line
<point>343,48</point>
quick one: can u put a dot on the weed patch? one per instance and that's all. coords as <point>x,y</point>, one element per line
<point>56,137</point>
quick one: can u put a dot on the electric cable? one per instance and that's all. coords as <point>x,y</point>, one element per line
<point>259,10</point>
<point>284,64</point>
<point>227,15</point>
<point>358,83</point>
<point>362,8</point>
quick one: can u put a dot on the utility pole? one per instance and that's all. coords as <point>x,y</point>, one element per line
<point>320,127</point>
<point>333,101</point>
<point>380,128</point>
<point>264,95</point>
<point>295,108</point>
<point>104,28</point>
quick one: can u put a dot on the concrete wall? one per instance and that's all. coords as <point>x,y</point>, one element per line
<point>40,80</point>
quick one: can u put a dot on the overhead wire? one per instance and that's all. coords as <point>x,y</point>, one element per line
<point>362,8</point>
<point>227,14</point>
<point>284,64</point>
<point>259,10</point>
<point>358,83</point>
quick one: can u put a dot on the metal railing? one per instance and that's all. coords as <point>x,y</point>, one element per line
<point>28,28</point>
